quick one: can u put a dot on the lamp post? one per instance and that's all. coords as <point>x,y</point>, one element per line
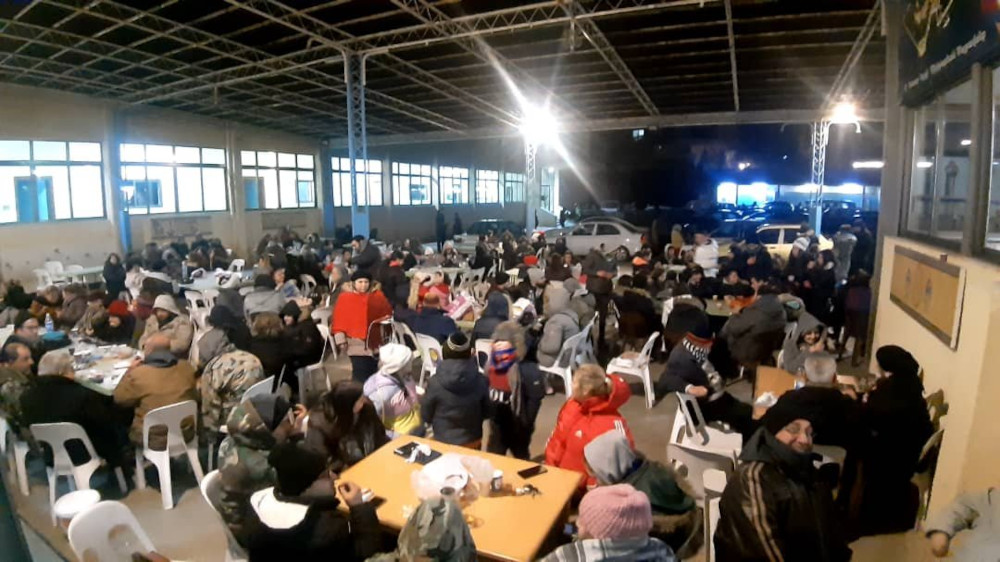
<point>843,113</point>
<point>538,127</point>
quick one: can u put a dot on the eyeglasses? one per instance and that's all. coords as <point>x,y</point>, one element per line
<point>30,326</point>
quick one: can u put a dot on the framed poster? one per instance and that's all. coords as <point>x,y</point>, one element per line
<point>930,290</point>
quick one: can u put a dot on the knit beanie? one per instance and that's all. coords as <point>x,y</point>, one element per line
<point>393,357</point>
<point>457,346</point>
<point>790,407</point>
<point>615,512</point>
<point>361,274</point>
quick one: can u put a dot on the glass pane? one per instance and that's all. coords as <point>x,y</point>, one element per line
<point>425,171</point>
<point>286,160</point>
<point>345,164</point>
<point>993,208</point>
<point>269,177</point>
<point>161,189</point>
<point>289,196</point>
<point>214,186</point>
<point>8,199</point>
<point>375,165</point>
<point>188,155</point>
<point>46,150</point>
<point>213,156</point>
<point>922,184</point>
<point>87,191</point>
<point>159,153</point>
<point>375,189</point>
<point>14,150</point>
<point>188,189</point>
<point>268,159</point>
<point>341,190</point>
<point>248,158</point>
<point>132,153</point>
<point>404,168</point>
<point>305,161</point>
<point>57,178</point>
<point>131,175</point>
<point>951,183</point>
<point>85,151</point>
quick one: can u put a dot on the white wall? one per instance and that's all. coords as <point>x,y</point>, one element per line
<point>968,375</point>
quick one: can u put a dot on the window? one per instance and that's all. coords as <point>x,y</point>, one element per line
<point>411,184</point>
<point>513,187</point>
<point>993,204</point>
<point>770,236</point>
<point>637,134</point>
<point>607,230</point>
<point>453,185</point>
<point>584,230</point>
<point>277,180</point>
<point>50,180</point>
<point>939,185</point>
<point>487,186</point>
<point>160,178</point>
<point>369,182</point>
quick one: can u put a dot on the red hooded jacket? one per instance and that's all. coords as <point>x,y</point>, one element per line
<point>355,312</point>
<point>581,422</point>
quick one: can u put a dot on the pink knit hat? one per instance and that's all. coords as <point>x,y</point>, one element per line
<point>615,512</point>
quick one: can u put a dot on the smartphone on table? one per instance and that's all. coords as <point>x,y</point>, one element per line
<point>531,471</point>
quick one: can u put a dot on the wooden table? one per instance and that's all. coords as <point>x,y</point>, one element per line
<point>718,307</point>
<point>773,380</point>
<point>513,527</point>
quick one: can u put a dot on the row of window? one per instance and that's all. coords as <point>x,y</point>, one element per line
<point>46,180</point>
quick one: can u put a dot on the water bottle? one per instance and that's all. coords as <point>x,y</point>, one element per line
<point>49,324</point>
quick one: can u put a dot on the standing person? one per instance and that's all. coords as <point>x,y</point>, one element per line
<point>516,391</point>
<point>844,242</point>
<point>776,506</point>
<point>706,253</point>
<point>496,312</point>
<point>366,255</point>
<point>134,276</point>
<point>457,227</point>
<point>863,256</point>
<point>819,287</point>
<point>591,411</point>
<point>612,460</point>
<point>600,271</point>
<point>167,319</point>
<point>677,238</point>
<point>457,400</point>
<point>440,229</point>
<point>393,392</point>
<point>614,524</point>
<point>114,276</point>
<point>360,305</point>
<point>896,425</point>
<point>857,309</point>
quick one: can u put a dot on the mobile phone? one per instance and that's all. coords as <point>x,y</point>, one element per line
<point>532,471</point>
<point>406,450</point>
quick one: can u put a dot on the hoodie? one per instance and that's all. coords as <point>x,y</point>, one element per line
<point>456,402</point>
<point>580,422</point>
<point>395,401</point>
<point>178,328</point>
<point>497,310</point>
<point>707,256</point>
<point>793,353</point>
<point>562,324</point>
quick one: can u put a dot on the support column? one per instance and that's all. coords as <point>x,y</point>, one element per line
<point>325,183</point>
<point>237,196</point>
<point>532,195</point>
<point>820,140</point>
<point>357,144</point>
<point>116,201</point>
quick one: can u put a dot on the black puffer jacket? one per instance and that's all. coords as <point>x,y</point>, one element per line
<point>456,402</point>
<point>757,331</point>
<point>775,507</point>
<point>497,311</point>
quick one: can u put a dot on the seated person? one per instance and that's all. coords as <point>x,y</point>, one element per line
<point>225,327</point>
<point>47,301</point>
<point>345,425</point>
<point>255,427</point>
<point>304,343</point>
<point>614,524</point>
<point>268,343</point>
<point>118,325</point>
<point>591,410</point>
<point>695,283</point>
<point>263,298</point>
<point>807,336</point>
<point>157,280</point>
<point>776,507</point>
<point>732,285</point>
<point>286,289</point>
<point>457,400</point>
<point>393,392</point>
<point>26,333</point>
<point>435,531</point>
<point>158,380</point>
<point>689,371</point>
<point>612,460</point>
<point>836,417</point>
<point>496,312</point>
<point>432,320</point>
<point>757,330</point>
<point>638,314</point>
<point>977,512</point>
<point>74,305</point>
<point>56,397</point>
<point>94,315</point>
<point>168,320</point>
<point>223,382</point>
<point>15,378</point>
<point>298,518</point>
<point>561,324</point>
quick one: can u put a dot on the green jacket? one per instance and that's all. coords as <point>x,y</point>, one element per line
<point>676,520</point>
<point>12,386</point>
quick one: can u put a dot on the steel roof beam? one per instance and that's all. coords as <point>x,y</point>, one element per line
<point>596,37</point>
<point>732,54</point>
<point>857,49</point>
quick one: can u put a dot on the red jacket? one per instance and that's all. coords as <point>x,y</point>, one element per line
<point>355,312</point>
<point>579,423</point>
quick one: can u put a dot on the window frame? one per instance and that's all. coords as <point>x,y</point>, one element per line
<point>396,175</point>
<point>174,166</point>
<point>365,177</point>
<point>449,173</point>
<point>482,185</point>
<point>69,164</point>
<point>513,187</point>
<point>276,168</point>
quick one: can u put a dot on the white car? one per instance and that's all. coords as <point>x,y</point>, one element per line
<point>615,236</point>
<point>778,239</point>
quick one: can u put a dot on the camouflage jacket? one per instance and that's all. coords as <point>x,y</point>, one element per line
<point>243,467</point>
<point>12,385</point>
<point>223,383</point>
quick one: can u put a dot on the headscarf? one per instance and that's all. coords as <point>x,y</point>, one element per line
<point>898,361</point>
<point>291,309</point>
<point>504,355</point>
<point>393,357</point>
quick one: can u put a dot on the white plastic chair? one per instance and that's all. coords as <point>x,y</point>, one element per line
<point>259,388</point>
<point>924,479</point>
<point>196,301</point>
<point>308,284</point>
<point>697,461</point>
<point>712,516</point>
<point>638,367</point>
<point>307,381</point>
<point>403,335</point>
<point>210,296</point>
<point>211,490</point>
<point>90,531</point>
<point>483,347</point>
<point>16,462</point>
<point>690,429</point>
<point>322,316</point>
<point>71,272</point>
<point>237,265</point>
<point>55,268</point>
<point>55,435</point>
<point>170,416</point>
<point>324,332</point>
<point>566,361</point>
<point>43,278</point>
<point>586,353</point>
<point>430,356</point>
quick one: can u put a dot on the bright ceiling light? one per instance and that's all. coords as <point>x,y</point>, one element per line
<point>538,125</point>
<point>924,164</point>
<point>743,165</point>
<point>966,142</point>
<point>868,165</point>
<point>844,113</point>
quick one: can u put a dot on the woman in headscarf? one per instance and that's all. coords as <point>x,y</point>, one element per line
<point>227,328</point>
<point>303,342</point>
<point>360,305</point>
<point>393,392</point>
<point>114,275</point>
<point>346,425</point>
<point>896,423</point>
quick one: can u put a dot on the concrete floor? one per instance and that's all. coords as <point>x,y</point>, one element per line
<point>192,531</point>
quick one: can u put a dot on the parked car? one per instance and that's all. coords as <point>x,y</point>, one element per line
<point>466,243</point>
<point>778,239</point>
<point>616,236</point>
<point>551,233</point>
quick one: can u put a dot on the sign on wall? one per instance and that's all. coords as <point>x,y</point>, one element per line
<point>941,41</point>
<point>281,219</point>
<point>176,227</point>
<point>930,290</point>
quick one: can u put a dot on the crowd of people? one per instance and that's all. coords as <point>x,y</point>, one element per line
<point>279,454</point>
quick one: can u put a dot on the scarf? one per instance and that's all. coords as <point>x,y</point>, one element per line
<point>700,353</point>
